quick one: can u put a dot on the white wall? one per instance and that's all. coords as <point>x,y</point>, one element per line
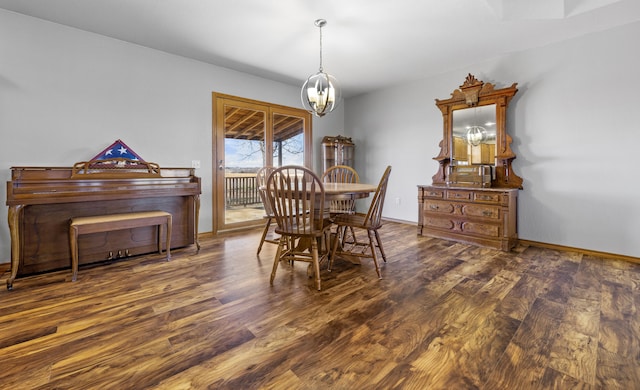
<point>66,94</point>
<point>574,129</point>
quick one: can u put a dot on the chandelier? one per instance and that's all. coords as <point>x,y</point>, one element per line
<point>320,93</point>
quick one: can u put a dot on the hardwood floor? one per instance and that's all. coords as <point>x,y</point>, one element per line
<point>444,316</point>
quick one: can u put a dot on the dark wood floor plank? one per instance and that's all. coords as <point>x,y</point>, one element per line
<point>516,369</point>
<point>616,372</point>
<point>583,315</point>
<point>574,353</point>
<point>490,340</point>
<point>520,298</point>
<point>445,315</point>
<point>553,379</point>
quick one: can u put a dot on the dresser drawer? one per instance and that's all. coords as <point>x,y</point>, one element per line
<point>463,209</point>
<point>440,207</point>
<point>475,210</point>
<point>488,197</point>
<point>453,225</point>
<point>433,193</point>
<point>439,223</point>
<point>482,229</point>
<point>459,195</point>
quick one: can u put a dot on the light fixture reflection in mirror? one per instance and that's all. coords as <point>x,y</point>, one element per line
<point>476,135</point>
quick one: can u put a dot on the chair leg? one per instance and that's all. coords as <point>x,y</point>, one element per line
<point>326,245</point>
<point>353,233</point>
<point>336,242</point>
<point>276,259</point>
<point>384,257</point>
<point>264,234</point>
<point>343,236</point>
<point>373,253</point>
<point>354,239</point>
<point>316,262</point>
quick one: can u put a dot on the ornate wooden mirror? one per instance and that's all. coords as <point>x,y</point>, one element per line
<point>475,150</point>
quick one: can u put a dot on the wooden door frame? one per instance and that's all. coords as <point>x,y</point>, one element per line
<point>218,102</point>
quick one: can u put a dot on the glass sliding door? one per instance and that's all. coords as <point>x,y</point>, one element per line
<point>247,136</point>
<point>289,141</point>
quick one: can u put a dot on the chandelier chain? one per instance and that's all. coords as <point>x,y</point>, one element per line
<point>320,27</point>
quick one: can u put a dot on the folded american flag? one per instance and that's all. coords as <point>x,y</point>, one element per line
<point>118,149</point>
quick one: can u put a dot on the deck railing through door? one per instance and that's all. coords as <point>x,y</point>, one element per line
<point>241,189</point>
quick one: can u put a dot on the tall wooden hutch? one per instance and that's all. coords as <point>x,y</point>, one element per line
<point>337,150</point>
<point>473,197</point>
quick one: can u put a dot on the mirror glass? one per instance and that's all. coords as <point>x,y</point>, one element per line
<point>474,136</point>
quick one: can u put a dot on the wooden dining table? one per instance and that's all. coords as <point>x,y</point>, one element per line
<point>340,191</point>
<point>344,191</point>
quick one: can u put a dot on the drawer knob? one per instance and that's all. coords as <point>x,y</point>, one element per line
<point>487,213</point>
<point>433,207</point>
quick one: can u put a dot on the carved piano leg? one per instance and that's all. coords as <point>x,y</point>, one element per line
<point>14,230</point>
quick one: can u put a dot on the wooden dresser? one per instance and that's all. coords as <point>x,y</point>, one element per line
<point>481,216</point>
<point>473,197</point>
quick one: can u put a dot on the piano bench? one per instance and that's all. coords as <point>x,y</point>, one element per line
<point>107,223</point>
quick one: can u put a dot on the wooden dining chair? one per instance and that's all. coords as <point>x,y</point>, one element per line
<point>369,222</point>
<point>261,181</point>
<point>297,198</point>
<point>341,174</point>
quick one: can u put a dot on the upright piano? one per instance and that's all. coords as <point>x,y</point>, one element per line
<point>42,200</point>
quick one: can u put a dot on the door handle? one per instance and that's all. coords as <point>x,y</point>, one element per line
<point>221,165</point>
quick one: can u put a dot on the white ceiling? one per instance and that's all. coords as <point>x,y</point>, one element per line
<point>367,44</point>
